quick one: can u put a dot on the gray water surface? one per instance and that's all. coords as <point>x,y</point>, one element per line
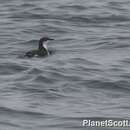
<point>88,76</point>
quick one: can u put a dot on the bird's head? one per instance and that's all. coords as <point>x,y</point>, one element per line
<point>42,44</point>
<point>44,39</point>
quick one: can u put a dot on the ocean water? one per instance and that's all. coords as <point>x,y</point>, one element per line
<point>88,76</point>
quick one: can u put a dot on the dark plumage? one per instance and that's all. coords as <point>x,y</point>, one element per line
<point>42,49</point>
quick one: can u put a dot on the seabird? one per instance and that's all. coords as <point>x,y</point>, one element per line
<point>42,48</point>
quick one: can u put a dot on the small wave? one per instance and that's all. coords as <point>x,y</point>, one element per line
<point>8,111</point>
<point>96,19</point>
<point>117,85</point>
<point>43,79</point>
<point>6,123</point>
<point>73,7</point>
<point>29,15</point>
<point>30,42</point>
<point>83,61</point>
<point>109,45</point>
<point>126,61</point>
<point>11,68</point>
<point>35,71</point>
<point>28,5</point>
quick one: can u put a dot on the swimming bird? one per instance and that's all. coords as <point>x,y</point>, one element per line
<point>42,48</point>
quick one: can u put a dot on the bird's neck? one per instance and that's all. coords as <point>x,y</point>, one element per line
<point>45,46</point>
<point>40,45</point>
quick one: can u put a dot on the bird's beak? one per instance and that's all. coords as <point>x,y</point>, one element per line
<point>50,39</point>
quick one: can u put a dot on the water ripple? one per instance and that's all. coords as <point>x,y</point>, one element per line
<point>87,75</point>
